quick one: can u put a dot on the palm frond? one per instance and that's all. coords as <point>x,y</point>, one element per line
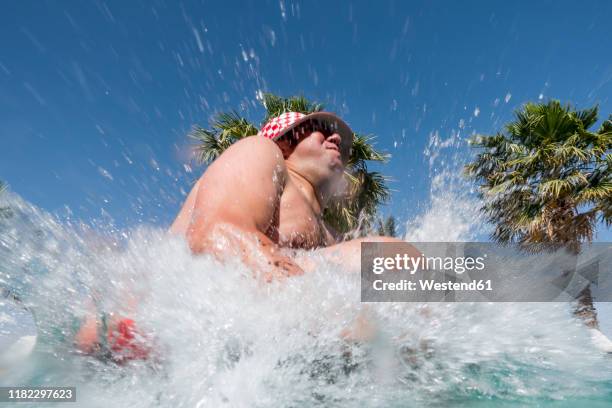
<point>232,126</point>
<point>606,127</point>
<point>597,193</point>
<point>227,128</point>
<point>209,146</point>
<point>5,212</point>
<point>363,150</point>
<point>276,105</point>
<point>588,117</point>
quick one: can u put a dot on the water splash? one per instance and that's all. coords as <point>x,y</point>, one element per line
<point>223,339</point>
<point>453,211</point>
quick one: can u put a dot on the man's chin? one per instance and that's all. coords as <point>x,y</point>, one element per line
<point>336,166</point>
<point>335,159</point>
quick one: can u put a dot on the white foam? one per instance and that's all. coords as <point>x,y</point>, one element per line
<point>226,340</point>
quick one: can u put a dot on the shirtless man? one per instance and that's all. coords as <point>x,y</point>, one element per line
<point>266,195</point>
<point>261,200</point>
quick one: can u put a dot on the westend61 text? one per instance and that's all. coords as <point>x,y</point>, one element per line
<point>429,285</point>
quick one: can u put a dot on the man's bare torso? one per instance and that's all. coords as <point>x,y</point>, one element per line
<point>299,226</point>
<point>252,202</point>
<point>295,224</point>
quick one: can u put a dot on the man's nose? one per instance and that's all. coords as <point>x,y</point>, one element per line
<point>335,139</point>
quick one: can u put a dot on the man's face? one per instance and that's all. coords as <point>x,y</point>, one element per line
<point>315,150</point>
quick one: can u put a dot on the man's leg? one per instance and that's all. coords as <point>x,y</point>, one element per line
<point>111,336</point>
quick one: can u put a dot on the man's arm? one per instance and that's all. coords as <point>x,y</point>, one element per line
<point>236,207</point>
<point>348,253</point>
<point>181,223</point>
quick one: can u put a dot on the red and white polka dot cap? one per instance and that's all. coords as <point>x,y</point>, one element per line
<point>280,125</point>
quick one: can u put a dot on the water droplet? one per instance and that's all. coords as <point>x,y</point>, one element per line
<point>105,173</point>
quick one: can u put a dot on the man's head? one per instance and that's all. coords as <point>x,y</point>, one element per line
<point>316,146</point>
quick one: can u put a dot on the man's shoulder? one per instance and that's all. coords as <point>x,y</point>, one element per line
<point>252,154</point>
<point>256,145</point>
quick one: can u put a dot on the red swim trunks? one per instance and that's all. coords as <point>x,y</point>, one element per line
<point>126,343</point>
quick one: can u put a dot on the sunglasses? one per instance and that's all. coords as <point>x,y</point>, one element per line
<point>306,128</point>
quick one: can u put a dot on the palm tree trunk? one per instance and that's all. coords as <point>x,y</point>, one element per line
<point>586,309</point>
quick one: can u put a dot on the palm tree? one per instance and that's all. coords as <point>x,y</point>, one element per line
<point>546,181</point>
<point>351,212</point>
<point>388,227</point>
<point>5,212</point>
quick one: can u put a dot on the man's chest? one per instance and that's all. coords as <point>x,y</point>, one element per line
<point>298,225</point>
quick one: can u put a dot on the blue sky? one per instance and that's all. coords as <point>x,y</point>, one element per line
<point>96,97</point>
